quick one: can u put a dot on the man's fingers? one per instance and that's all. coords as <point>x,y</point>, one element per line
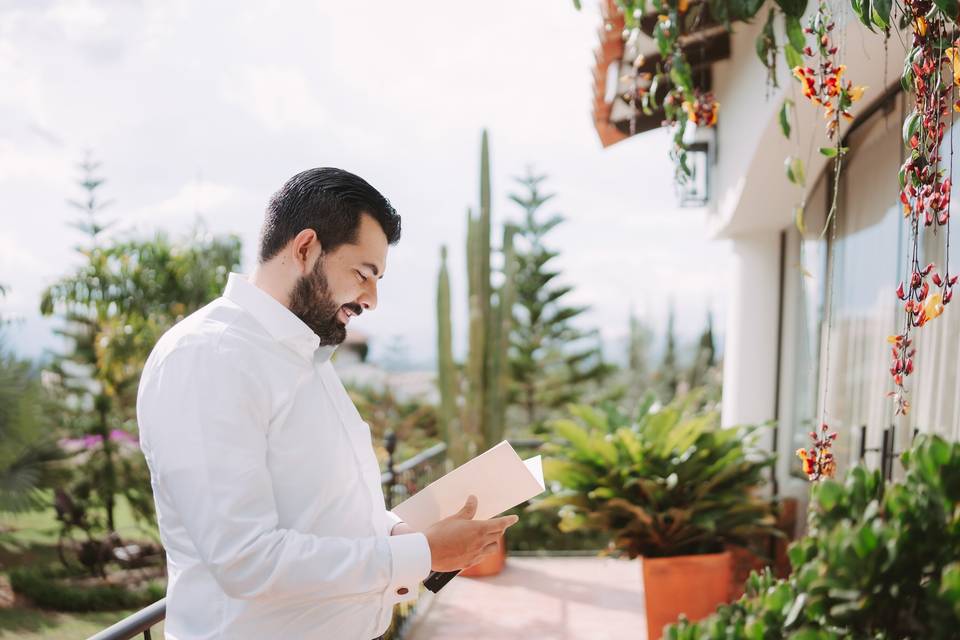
<point>500,524</point>
<point>468,510</point>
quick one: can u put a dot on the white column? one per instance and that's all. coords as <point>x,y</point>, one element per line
<point>753,315</point>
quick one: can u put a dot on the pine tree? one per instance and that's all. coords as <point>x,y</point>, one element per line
<point>706,356</point>
<point>638,354</point>
<point>669,373</point>
<point>90,399</point>
<point>115,305</point>
<point>552,363</point>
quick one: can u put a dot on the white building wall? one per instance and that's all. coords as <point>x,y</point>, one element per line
<point>750,363</point>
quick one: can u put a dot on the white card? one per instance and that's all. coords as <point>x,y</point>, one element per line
<point>498,477</point>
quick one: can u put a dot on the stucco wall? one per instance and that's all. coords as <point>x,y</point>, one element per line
<point>751,191</point>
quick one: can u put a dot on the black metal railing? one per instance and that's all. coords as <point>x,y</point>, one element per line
<point>400,481</point>
<point>886,449</point>
<point>139,623</point>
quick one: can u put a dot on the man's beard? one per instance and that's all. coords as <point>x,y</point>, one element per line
<point>312,302</point>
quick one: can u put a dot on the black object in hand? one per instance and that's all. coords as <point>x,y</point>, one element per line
<point>438,579</point>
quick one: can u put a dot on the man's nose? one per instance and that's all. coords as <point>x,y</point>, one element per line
<point>368,299</point>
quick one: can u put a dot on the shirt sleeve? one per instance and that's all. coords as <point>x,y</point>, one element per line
<point>392,520</point>
<point>204,420</point>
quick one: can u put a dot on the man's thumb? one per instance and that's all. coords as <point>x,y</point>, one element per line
<point>469,509</point>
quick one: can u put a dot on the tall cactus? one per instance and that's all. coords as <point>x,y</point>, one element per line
<point>450,428</point>
<point>501,322</point>
<point>481,424</point>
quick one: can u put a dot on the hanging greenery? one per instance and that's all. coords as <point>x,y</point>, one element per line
<point>930,76</point>
<point>924,183</point>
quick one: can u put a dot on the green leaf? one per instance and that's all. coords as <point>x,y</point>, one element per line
<point>794,8</point>
<point>829,494</point>
<point>880,13</point>
<point>573,433</point>
<point>795,33</point>
<point>568,473</point>
<point>799,221</point>
<point>830,152</point>
<point>766,43</point>
<point>680,73</point>
<point>785,117</point>
<point>795,171</point>
<point>947,8</point>
<point>793,56</point>
<point>799,172</point>
<point>862,9</point>
<point>795,610</point>
<point>751,8</point>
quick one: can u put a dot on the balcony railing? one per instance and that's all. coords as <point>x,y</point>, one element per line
<point>139,623</point>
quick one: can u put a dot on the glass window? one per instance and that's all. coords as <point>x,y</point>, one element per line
<point>867,260</point>
<point>864,259</point>
<point>804,279</point>
<point>935,385</point>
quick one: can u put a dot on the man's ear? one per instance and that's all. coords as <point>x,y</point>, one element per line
<point>305,249</point>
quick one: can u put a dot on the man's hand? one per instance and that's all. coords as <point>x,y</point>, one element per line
<point>459,541</point>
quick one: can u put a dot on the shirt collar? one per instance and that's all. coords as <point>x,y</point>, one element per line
<point>277,319</point>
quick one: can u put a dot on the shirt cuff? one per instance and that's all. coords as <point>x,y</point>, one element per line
<point>411,561</point>
<point>392,520</point>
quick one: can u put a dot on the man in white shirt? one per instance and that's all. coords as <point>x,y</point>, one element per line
<point>265,480</point>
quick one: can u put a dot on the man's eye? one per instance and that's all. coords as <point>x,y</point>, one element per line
<point>360,275</point>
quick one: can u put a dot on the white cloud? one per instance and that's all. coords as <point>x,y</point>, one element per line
<point>196,198</point>
<point>77,18</point>
<point>279,97</point>
<point>15,255</point>
<point>247,94</point>
<point>21,161</point>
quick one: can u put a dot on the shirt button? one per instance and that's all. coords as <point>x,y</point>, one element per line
<point>402,591</point>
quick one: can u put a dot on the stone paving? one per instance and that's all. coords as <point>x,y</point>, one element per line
<point>540,599</point>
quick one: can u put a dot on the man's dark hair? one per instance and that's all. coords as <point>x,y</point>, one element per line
<point>329,201</point>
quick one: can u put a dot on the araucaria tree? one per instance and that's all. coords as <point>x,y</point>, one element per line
<point>123,295</point>
<point>552,362</point>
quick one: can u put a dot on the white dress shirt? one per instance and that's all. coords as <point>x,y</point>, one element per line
<point>266,484</point>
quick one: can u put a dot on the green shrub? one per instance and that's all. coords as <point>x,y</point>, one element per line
<point>880,562</point>
<point>666,484</point>
<point>49,589</point>
<point>539,530</point>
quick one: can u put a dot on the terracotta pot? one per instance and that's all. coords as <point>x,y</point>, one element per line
<point>489,566</point>
<point>691,585</point>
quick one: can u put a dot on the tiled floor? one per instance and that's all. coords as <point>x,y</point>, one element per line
<point>541,599</point>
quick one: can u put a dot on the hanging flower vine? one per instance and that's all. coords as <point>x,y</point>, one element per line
<point>931,73</point>
<point>818,461</point>
<point>925,186</point>
<point>681,101</point>
<point>823,82</point>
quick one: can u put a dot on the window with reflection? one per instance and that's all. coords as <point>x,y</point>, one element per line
<point>855,273</point>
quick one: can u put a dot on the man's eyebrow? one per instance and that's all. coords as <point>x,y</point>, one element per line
<point>373,268</point>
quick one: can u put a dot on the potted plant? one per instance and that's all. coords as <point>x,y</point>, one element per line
<point>670,487</point>
<point>880,561</point>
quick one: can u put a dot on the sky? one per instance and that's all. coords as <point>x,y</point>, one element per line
<point>201,110</point>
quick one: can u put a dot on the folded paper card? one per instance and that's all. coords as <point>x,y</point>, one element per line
<point>498,477</point>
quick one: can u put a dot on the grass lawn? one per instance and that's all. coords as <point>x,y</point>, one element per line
<point>30,539</point>
<point>32,624</point>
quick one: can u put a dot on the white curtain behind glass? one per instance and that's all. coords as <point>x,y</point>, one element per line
<point>936,382</point>
<point>864,259</point>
